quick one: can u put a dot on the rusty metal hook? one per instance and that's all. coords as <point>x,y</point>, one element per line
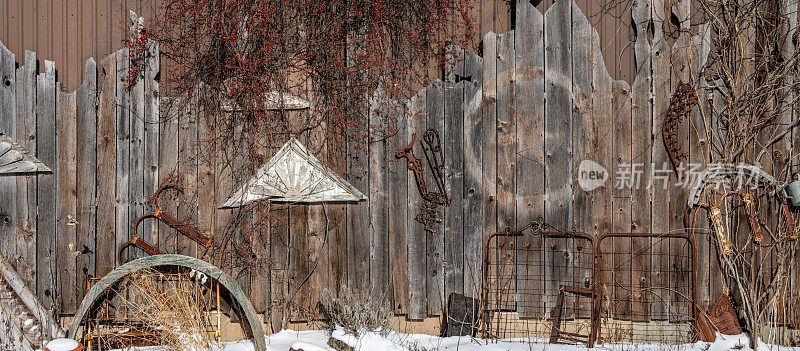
<point>182,227</point>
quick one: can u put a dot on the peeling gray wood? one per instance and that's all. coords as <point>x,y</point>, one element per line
<point>417,254</point>
<point>699,153</point>
<point>188,166</point>
<point>473,175</point>
<point>621,201</point>
<point>46,267</point>
<point>435,240</point>
<point>582,116</point>
<point>558,138</point>
<point>399,202</point>
<point>453,146</point>
<point>378,204</point>
<point>601,144</point>
<point>641,139</point>
<point>24,256</point>
<point>660,193</point>
<point>86,182</point>
<point>66,206</point>
<point>151,142</point>
<point>123,203</point>
<point>136,160</point>
<point>506,154</point>
<point>529,89</point>
<point>106,166</point>
<point>8,186</point>
<point>681,60</point>
<point>489,139</point>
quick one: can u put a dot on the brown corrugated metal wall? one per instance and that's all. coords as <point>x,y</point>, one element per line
<point>70,31</point>
<point>67,32</point>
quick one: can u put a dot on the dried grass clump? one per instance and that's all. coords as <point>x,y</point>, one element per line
<point>170,306</point>
<point>356,313</point>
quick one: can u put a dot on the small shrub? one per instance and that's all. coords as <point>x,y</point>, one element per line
<point>356,313</point>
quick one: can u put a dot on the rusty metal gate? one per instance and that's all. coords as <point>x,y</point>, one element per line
<point>524,276</point>
<point>565,287</point>
<point>647,284</point>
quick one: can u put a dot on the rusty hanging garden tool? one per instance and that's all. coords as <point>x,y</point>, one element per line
<point>182,227</point>
<point>680,105</point>
<point>433,156</point>
<point>432,149</point>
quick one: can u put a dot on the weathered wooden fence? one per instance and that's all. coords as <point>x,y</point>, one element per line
<point>516,123</point>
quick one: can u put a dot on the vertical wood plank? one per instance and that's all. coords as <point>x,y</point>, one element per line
<point>398,210</point>
<point>186,111</point>
<point>506,157</point>
<point>279,260</point>
<point>602,144</point>
<point>417,259</point>
<point>602,127</point>
<point>473,175</point>
<point>337,216</point>
<point>620,277</point>
<point>506,133</point>
<point>67,251</point>
<point>378,201</point>
<point>681,61</point>
<point>358,218</point>
<point>46,197</point>
<point>24,257</point>
<point>660,159</point>
<point>259,148</point>
<point>453,145</point>
<point>124,220</point>
<point>318,233</point>
<point>529,90</point>
<point>699,153</point>
<point>581,116</point>
<point>298,238</point>
<point>489,139</point>
<point>106,166</point>
<point>136,156</point>
<point>641,143</point>
<point>150,142</point>
<point>168,139</point>
<point>582,136</point>
<point>206,151</point>
<point>435,240</point>
<point>86,183</point>
<point>558,140</point>
<point>8,185</point>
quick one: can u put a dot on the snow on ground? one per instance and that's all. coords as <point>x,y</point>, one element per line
<point>317,340</point>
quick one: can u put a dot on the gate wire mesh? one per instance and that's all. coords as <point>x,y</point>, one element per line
<point>523,274</point>
<point>647,286</point>
<point>644,283</point>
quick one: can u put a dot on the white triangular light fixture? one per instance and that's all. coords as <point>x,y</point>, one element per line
<point>16,160</point>
<point>294,175</point>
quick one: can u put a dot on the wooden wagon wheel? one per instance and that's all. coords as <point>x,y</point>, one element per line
<point>168,260</point>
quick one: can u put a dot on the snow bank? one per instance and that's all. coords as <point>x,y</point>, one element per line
<point>317,340</point>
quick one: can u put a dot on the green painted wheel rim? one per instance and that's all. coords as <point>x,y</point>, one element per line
<point>172,260</point>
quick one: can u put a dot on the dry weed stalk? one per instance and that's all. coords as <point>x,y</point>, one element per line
<point>356,313</point>
<point>171,307</point>
<point>752,72</point>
